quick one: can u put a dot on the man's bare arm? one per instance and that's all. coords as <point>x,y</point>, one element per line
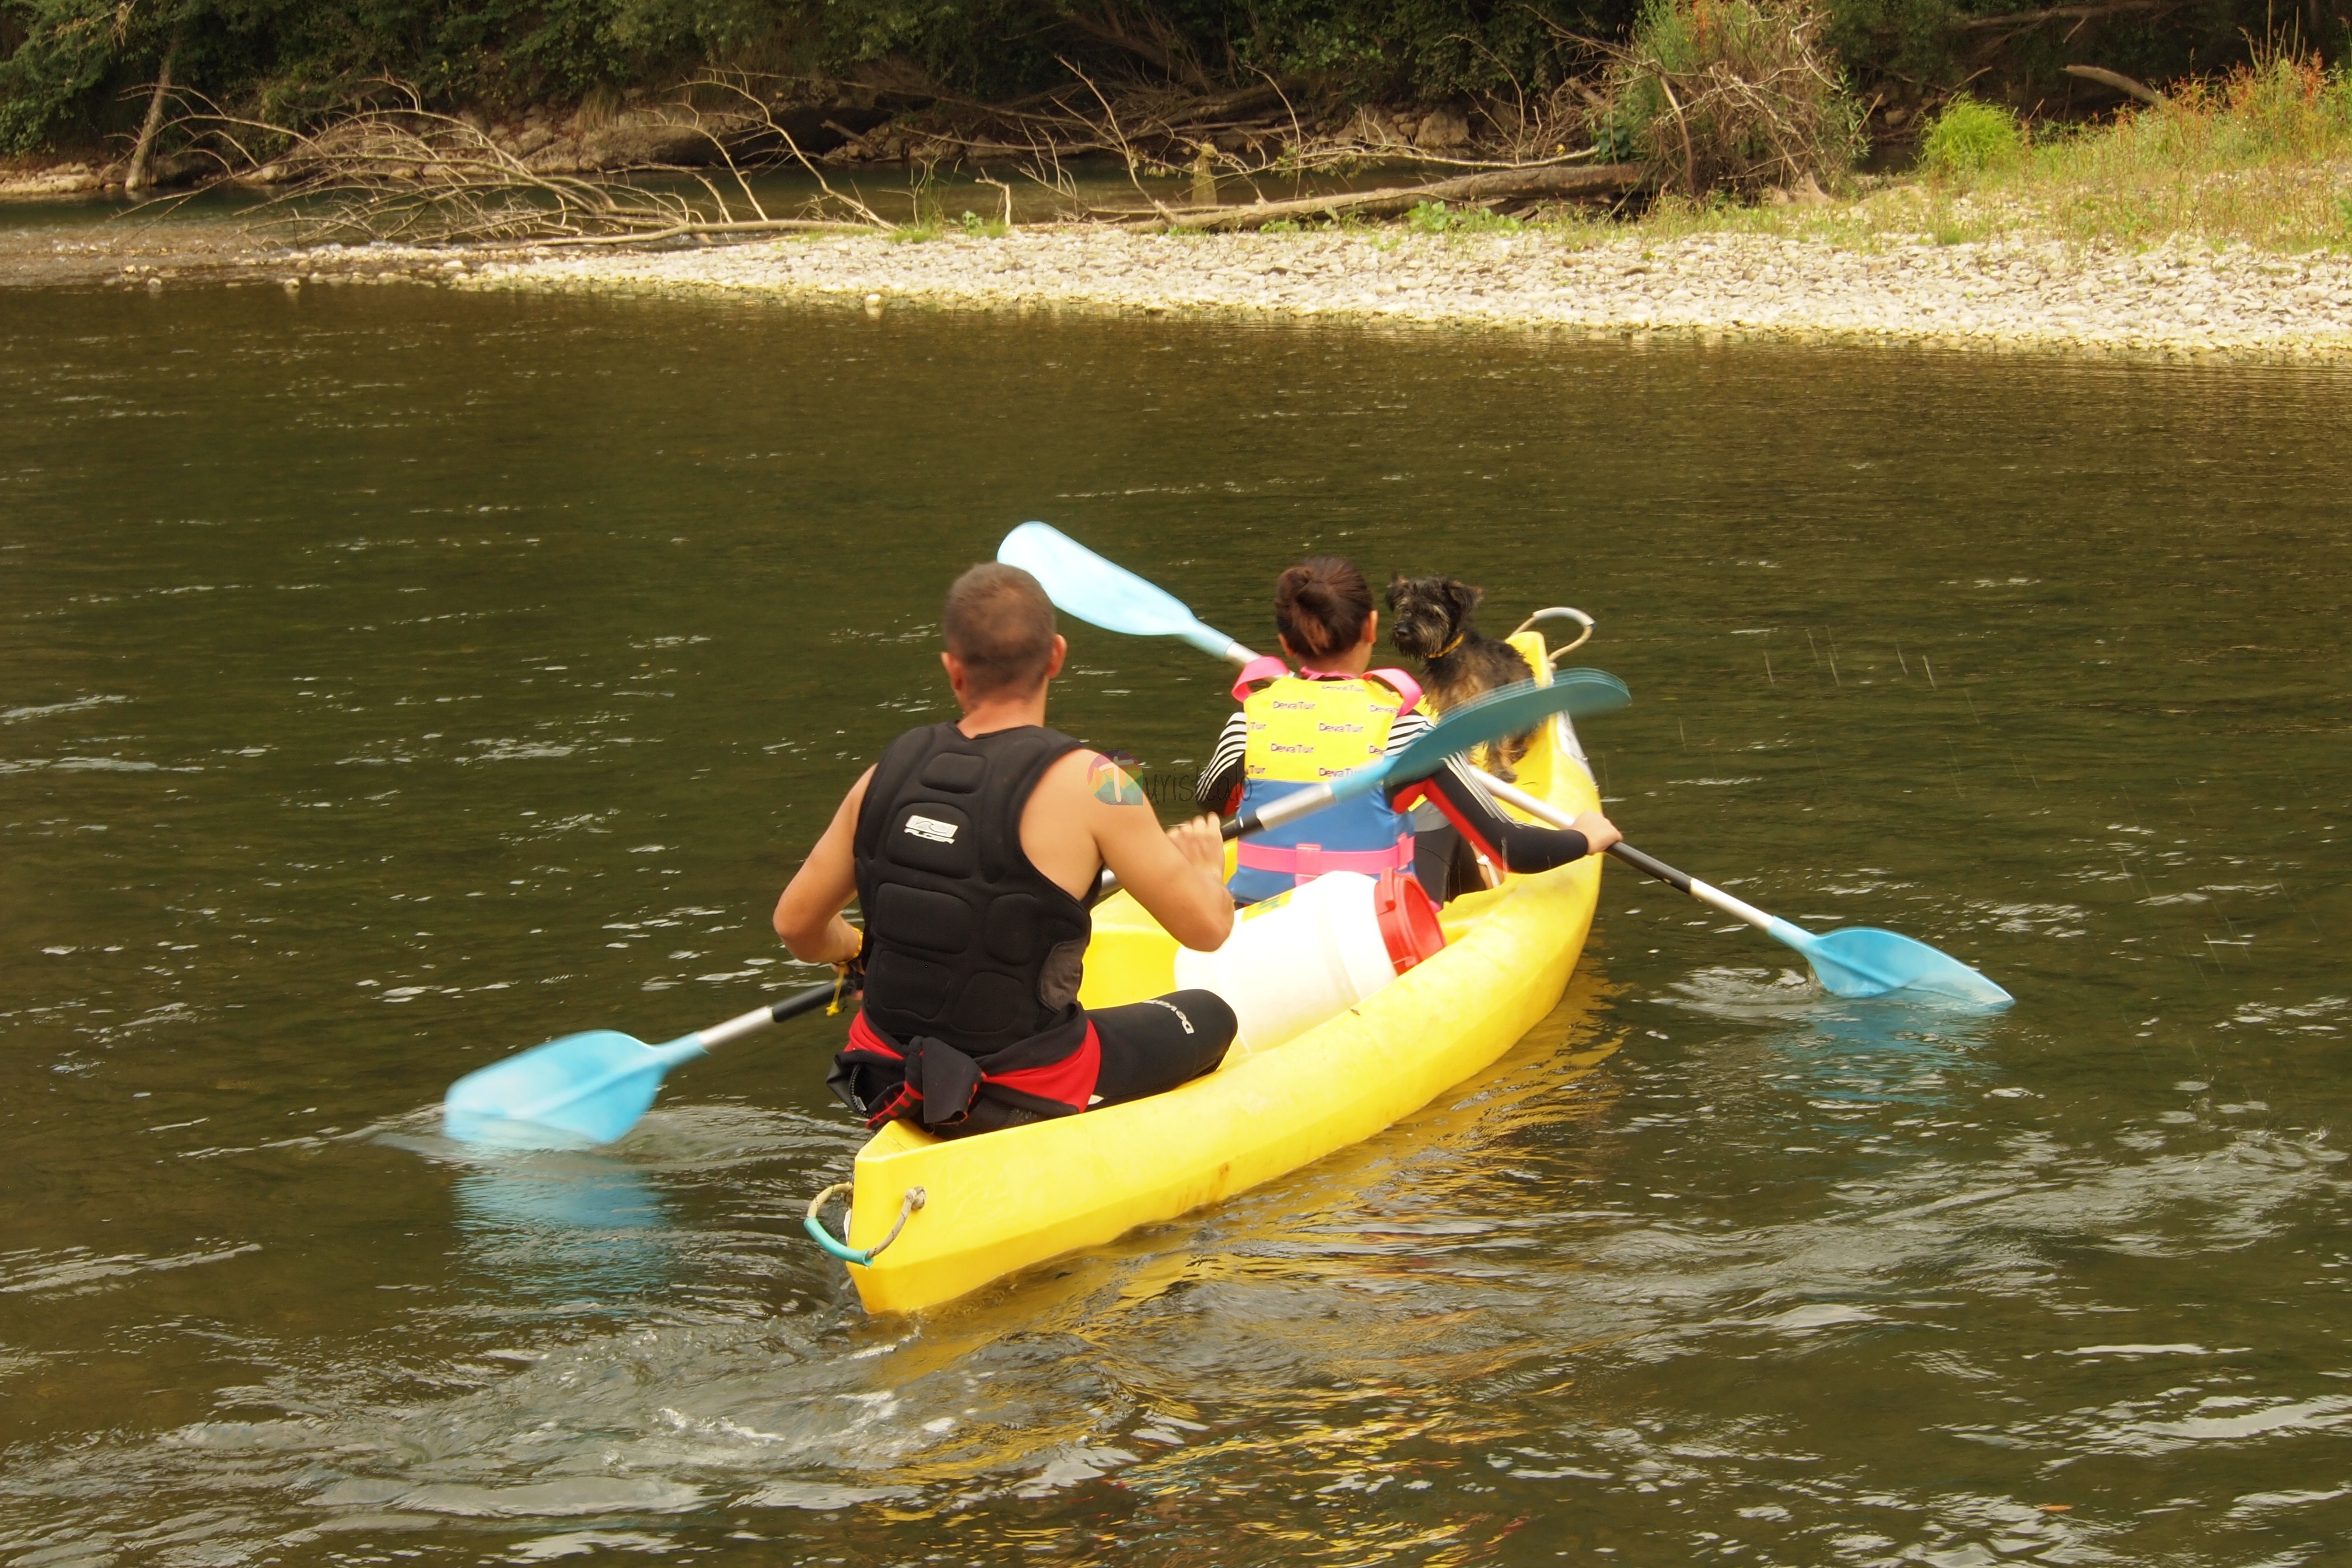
<point>808,917</point>
<point>1176,875</point>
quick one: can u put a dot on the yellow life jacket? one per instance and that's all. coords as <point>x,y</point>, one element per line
<point>1305,729</point>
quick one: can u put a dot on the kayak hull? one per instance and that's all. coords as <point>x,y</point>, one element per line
<point>1004,1201</point>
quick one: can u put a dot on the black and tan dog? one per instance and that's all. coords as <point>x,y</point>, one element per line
<point>1429,617</point>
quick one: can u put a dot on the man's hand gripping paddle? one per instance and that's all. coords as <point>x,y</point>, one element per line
<point>1857,963</point>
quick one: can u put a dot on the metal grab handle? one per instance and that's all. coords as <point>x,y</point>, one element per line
<point>814,1225</point>
<point>1560,613</point>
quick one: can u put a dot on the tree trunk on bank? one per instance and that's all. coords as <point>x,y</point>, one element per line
<point>2117,80</point>
<point>143,154</point>
<point>1553,181</point>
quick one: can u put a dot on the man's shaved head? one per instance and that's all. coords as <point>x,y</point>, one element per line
<point>1000,627</point>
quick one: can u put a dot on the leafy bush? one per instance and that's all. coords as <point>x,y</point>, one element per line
<point>1436,217</point>
<point>1734,95</point>
<point>1969,137</point>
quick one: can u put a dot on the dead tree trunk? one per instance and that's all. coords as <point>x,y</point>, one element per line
<point>143,154</point>
<point>1554,180</point>
<point>2117,80</point>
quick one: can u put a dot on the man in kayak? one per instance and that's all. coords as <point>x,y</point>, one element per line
<point>974,849</point>
<point>1335,712</point>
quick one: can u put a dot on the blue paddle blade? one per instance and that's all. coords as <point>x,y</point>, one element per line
<point>1864,961</point>
<point>571,1093</point>
<point>1082,583</point>
<point>1513,709</point>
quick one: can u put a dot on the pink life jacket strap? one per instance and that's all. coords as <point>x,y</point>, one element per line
<point>1406,687</point>
<point>1264,667</point>
<point>1305,862</point>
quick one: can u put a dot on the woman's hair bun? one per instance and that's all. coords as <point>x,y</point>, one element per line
<point>1320,606</point>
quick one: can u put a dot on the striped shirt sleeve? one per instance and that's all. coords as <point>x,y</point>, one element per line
<point>1408,727</point>
<point>1219,791</point>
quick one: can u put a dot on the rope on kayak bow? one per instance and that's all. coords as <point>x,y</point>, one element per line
<point>814,1225</point>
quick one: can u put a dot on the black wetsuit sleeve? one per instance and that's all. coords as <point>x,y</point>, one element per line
<point>1511,844</point>
<point>1219,791</point>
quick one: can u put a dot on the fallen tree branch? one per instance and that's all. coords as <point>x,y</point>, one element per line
<point>400,171</point>
<point>2117,80</point>
<point>1556,181</point>
<point>744,225</point>
<point>2062,14</point>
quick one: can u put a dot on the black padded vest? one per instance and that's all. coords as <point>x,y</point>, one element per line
<point>966,941</point>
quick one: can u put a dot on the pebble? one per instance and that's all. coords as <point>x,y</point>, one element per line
<point>2010,293</point>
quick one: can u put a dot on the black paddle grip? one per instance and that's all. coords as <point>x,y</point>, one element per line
<point>801,1002</point>
<point>1650,866</point>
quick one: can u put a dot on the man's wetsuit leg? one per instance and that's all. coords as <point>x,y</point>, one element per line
<point>1151,1047</point>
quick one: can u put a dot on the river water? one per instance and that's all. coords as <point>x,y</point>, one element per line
<point>392,678</point>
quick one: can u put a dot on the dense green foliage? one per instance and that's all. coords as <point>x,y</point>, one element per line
<point>1970,136</point>
<point>69,63</point>
<point>70,69</point>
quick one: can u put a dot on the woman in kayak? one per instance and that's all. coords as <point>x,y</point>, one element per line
<point>1331,714</point>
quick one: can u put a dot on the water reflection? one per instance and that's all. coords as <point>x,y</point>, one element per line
<point>1849,1058</point>
<point>568,1224</point>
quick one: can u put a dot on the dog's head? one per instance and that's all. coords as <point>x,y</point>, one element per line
<point>1428,615</point>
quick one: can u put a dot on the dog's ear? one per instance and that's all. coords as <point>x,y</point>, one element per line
<point>1396,582</point>
<point>1461,598</point>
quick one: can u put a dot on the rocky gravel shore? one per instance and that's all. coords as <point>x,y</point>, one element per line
<point>2000,293</point>
<point>2183,299</point>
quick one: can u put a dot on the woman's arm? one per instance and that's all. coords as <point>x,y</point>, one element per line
<point>1505,840</point>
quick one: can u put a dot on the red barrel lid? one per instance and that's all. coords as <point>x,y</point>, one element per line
<point>1408,920</point>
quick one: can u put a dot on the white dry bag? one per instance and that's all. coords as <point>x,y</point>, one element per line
<point>1299,958</point>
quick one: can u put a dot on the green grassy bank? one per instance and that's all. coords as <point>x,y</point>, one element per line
<point>2260,156</point>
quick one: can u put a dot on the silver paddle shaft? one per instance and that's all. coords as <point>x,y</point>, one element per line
<point>1649,865</point>
<point>760,1017</point>
<point>734,1028</point>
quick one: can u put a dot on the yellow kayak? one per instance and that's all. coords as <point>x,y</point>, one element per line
<point>1003,1201</point>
